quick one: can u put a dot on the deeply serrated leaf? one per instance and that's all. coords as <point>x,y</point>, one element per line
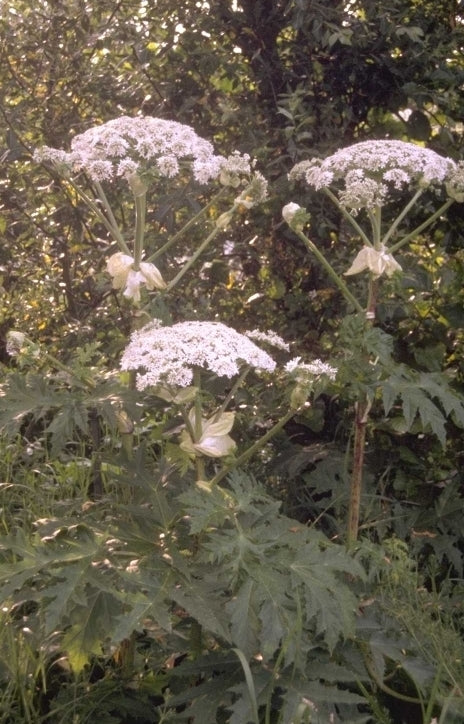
<point>203,604</point>
<point>63,594</point>
<point>90,627</point>
<point>328,600</point>
<point>244,623</point>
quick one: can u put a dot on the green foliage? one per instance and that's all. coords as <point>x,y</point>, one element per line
<point>130,594</point>
<point>411,634</point>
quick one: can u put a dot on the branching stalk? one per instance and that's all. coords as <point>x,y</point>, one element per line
<point>109,223</point>
<point>238,382</point>
<point>197,432</point>
<point>140,212</point>
<point>329,269</point>
<point>245,456</point>
<point>191,222</point>
<point>360,422</point>
<point>375,216</point>
<point>401,216</point>
<point>192,260</point>
<point>348,217</point>
<point>419,229</point>
<point>111,217</point>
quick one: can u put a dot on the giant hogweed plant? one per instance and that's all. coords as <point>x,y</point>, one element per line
<point>208,569</point>
<point>368,183</point>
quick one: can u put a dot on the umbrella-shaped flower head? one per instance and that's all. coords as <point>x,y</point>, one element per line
<point>364,174</point>
<point>169,355</point>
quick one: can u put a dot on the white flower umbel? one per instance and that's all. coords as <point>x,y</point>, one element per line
<point>121,267</point>
<point>15,342</point>
<point>214,442</point>
<point>269,337</point>
<point>376,261</point>
<point>168,355</point>
<point>127,147</point>
<point>233,168</point>
<point>316,368</point>
<point>306,375</point>
<point>367,172</point>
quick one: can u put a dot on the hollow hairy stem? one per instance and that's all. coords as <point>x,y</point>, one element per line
<point>359,446</point>
<point>329,269</point>
<point>372,297</point>
<point>361,410</point>
<point>140,211</point>
<point>198,430</point>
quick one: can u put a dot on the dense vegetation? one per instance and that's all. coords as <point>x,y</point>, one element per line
<point>280,545</point>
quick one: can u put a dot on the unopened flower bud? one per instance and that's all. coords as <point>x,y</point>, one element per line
<point>19,344</point>
<point>295,215</point>
<point>223,221</point>
<point>137,186</point>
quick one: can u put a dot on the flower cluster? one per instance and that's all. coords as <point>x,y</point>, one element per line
<point>372,169</point>
<point>19,345</point>
<point>234,167</point>
<point>168,355</point>
<point>121,267</point>
<point>268,337</point>
<point>316,368</point>
<point>127,147</point>
<point>254,193</point>
<point>306,375</point>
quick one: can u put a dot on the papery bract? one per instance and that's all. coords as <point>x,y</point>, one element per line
<point>289,211</point>
<point>121,267</point>
<point>376,261</point>
<point>214,441</point>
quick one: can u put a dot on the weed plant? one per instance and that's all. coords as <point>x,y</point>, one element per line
<point>172,549</point>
